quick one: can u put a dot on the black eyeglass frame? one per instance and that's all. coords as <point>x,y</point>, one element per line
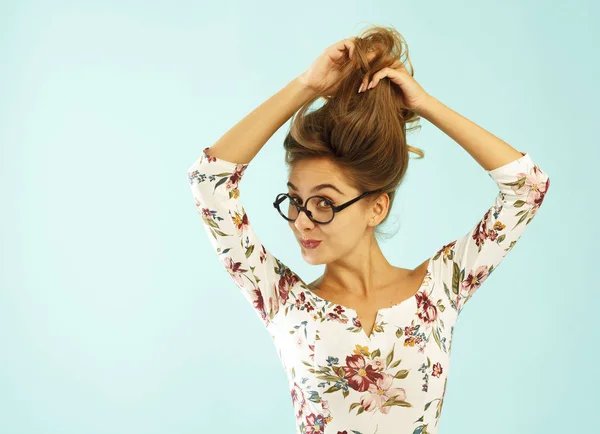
<point>280,197</point>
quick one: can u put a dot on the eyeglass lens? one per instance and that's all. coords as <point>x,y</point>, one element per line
<point>320,208</point>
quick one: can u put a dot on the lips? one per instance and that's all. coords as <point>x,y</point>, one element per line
<point>310,244</point>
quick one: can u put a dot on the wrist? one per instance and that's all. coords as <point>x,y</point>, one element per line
<point>302,88</point>
<point>424,108</point>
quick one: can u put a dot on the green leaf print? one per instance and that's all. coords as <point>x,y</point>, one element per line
<point>402,373</point>
<point>455,278</point>
<point>222,180</point>
<point>394,401</point>
<point>389,358</point>
<point>328,377</point>
<point>396,363</point>
<point>333,388</point>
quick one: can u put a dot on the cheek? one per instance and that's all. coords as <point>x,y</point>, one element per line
<point>345,231</point>
<point>351,223</point>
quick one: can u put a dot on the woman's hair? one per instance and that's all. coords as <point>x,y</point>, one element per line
<point>364,134</point>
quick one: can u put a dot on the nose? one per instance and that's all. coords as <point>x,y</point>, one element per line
<point>302,222</point>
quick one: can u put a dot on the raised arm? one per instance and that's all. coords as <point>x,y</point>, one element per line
<point>245,139</point>
<point>215,176</point>
<point>487,149</point>
<point>465,263</point>
<point>242,142</point>
<point>214,180</point>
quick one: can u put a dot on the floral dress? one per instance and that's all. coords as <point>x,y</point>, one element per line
<point>342,381</point>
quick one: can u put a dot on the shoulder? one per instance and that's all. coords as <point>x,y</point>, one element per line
<point>421,269</point>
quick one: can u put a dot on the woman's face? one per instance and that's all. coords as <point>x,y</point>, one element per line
<point>348,226</point>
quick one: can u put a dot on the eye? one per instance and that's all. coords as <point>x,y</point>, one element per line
<point>330,200</point>
<point>299,201</point>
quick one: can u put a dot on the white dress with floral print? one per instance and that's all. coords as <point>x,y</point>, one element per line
<point>340,379</point>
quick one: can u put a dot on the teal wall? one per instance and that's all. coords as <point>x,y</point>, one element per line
<point>115,315</point>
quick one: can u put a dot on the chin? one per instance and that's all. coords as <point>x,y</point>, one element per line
<point>312,262</point>
<point>311,257</point>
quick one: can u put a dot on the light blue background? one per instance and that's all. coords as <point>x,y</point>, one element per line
<point>115,314</point>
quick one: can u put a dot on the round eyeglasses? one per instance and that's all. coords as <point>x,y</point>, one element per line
<point>319,209</point>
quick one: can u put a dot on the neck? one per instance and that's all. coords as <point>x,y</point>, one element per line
<point>361,273</point>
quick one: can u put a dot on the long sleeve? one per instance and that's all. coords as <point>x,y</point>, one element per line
<point>262,278</point>
<point>465,263</point>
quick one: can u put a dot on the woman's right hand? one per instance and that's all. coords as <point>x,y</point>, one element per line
<point>323,75</point>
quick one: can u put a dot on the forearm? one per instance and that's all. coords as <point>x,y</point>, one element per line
<point>488,150</point>
<point>245,139</point>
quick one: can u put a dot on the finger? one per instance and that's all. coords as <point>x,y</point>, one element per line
<point>364,84</point>
<point>378,76</point>
<point>343,45</point>
<point>352,46</point>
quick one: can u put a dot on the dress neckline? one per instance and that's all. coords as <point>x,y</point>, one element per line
<point>379,311</point>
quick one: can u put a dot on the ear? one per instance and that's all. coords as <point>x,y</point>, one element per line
<point>379,209</point>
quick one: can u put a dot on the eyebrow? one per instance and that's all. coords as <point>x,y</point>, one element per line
<point>317,187</point>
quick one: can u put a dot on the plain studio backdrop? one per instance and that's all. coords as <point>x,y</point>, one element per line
<point>116,315</point>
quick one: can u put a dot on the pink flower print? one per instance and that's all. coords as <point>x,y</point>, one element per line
<point>297,394</point>
<point>234,269</point>
<point>480,233</point>
<point>325,406</point>
<point>475,279</point>
<point>285,282</point>
<point>300,300</point>
<point>536,185</point>
<point>236,176</point>
<point>378,363</point>
<point>359,374</point>
<point>334,317</point>
<point>207,156</point>
<point>299,401</point>
<point>315,424</point>
<point>259,303</point>
<point>206,213</point>
<point>379,392</point>
<point>236,272</point>
<point>356,322</point>
<point>437,370</point>
<point>263,254</point>
<point>272,304</point>
<point>409,330</point>
<point>427,310</point>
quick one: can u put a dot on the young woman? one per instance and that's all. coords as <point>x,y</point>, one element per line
<point>366,346</point>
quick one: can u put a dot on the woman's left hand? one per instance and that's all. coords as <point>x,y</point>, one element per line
<point>414,96</point>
